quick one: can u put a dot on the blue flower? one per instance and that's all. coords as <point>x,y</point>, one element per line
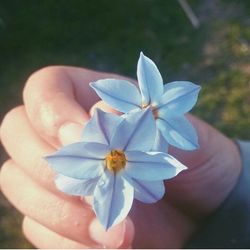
<point>115,164</point>
<point>168,102</point>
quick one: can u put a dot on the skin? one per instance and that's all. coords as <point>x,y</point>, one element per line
<point>57,104</point>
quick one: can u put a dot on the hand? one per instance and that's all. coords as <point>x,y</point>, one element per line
<point>57,101</point>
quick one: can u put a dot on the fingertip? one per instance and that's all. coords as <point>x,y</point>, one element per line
<point>129,234</point>
<point>119,236</point>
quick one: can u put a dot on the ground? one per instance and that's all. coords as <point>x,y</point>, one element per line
<point>108,36</point>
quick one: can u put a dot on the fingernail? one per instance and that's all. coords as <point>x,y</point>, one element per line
<point>70,132</point>
<point>113,238</point>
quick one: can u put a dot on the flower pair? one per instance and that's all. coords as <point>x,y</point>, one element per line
<point>168,102</point>
<point>124,157</point>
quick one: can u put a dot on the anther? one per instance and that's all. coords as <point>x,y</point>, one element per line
<point>115,160</point>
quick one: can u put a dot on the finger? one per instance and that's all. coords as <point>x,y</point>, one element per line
<point>104,107</point>
<point>44,238</point>
<point>57,100</point>
<point>51,105</point>
<point>26,148</point>
<point>68,219</point>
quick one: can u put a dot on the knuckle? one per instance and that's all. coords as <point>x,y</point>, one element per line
<point>9,119</point>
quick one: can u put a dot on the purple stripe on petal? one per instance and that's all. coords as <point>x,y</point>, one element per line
<point>179,132</point>
<point>113,199</point>
<point>136,132</point>
<point>179,97</point>
<point>119,94</point>
<point>101,127</point>
<point>149,80</point>
<point>148,191</point>
<point>79,160</point>
<point>152,166</point>
<point>76,187</point>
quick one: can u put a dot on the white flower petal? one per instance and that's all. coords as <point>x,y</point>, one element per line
<point>179,97</point>
<point>76,187</point>
<point>148,191</point>
<point>113,198</point>
<point>178,132</point>
<point>149,80</point>
<point>101,127</point>
<point>79,160</point>
<point>160,144</point>
<point>152,166</point>
<point>135,132</point>
<point>119,94</point>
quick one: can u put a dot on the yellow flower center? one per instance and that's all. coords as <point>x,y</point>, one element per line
<point>115,160</point>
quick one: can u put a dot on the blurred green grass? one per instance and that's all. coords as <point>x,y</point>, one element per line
<point>108,35</point>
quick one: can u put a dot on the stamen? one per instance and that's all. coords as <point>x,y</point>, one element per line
<point>144,106</point>
<point>155,112</point>
<point>115,160</point>
<point>153,108</point>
